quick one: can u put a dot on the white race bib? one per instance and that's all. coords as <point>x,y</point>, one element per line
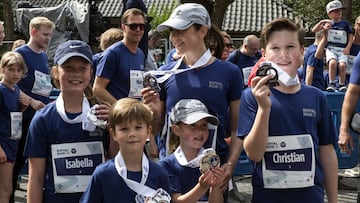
<point>42,84</point>
<point>337,36</point>
<point>289,162</point>
<point>16,125</point>
<point>74,163</point>
<point>136,83</point>
<point>246,73</point>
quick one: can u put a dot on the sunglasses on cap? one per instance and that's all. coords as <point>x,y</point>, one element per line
<point>134,26</point>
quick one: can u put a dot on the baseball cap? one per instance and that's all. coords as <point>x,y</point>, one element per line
<point>72,48</point>
<point>190,111</point>
<point>186,15</point>
<point>333,5</point>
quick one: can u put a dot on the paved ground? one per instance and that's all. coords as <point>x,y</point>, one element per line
<point>347,190</point>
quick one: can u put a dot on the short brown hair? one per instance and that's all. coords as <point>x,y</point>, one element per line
<point>279,24</point>
<point>127,110</point>
<point>110,36</point>
<point>39,21</point>
<point>132,11</point>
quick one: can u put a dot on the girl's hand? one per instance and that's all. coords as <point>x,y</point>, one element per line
<point>205,179</point>
<point>24,102</point>
<point>36,104</point>
<point>102,111</point>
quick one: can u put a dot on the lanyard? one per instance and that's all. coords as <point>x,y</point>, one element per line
<point>203,60</point>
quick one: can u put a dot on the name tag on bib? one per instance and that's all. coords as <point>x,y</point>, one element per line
<point>74,163</point>
<point>337,36</point>
<point>289,162</point>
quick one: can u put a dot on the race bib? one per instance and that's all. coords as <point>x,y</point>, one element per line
<point>16,125</point>
<point>42,84</point>
<point>246,73</point>
<point>350,63</point>
<point>136,83</point>
<point>337,36</point>
<point>74,163</point>
<point>289,162</point>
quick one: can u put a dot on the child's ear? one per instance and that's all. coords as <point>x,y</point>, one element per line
<point>149,130</point>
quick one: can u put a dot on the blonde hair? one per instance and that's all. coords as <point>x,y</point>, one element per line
<point>110,36</point>
<point>17,43</point>
<point>127,110</point>
<point>12,58</point>
<point>39,21</point>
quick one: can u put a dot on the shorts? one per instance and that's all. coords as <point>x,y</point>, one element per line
<point>336,53</point>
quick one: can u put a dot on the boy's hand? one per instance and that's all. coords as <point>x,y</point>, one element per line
<point>24,102</point>
<point>36,104</point>
<point>261,91</point>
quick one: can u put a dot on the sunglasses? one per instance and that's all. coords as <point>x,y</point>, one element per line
<point>134,26</point>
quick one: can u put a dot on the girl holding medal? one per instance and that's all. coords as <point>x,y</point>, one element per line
<point>63,145</point>
<point>12,103</point>
<point>194,172</point>
<point>130,177</point>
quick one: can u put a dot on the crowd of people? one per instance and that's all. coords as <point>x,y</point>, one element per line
<point>110,136</point>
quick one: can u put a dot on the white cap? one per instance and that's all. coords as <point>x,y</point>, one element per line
<point>185,16</point>
<point>333,5</point>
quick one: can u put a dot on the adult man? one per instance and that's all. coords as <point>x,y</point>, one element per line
<point>119,72</point>
<point>246,57</point>
<point>153,42</point>
<point>37,83</point>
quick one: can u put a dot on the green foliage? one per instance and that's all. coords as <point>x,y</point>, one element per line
<point>314,10</point>
<point>161,16</point>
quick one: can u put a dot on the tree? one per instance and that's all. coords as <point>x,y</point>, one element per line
<point>315,10</point>
<point>216,9</point>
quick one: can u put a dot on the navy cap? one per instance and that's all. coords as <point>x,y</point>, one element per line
<point>72,48</point>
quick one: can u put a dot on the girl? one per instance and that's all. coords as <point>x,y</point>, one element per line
<point>12,103</point>
<point>190,131</point>
<point>63,145</point>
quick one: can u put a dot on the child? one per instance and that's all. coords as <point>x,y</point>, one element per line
<point>62,145</point>
<point>288,129</point>
<point>130,176</point>
<point>339,40</point>
<point>189,119</point>
<point>12,69</point>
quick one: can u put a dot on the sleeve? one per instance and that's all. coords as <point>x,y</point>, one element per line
<point>92,192</point>
<point>107,65</point>
<point>174,182</point>
<point>355,72</point>
<point>37,136</point>
<point>247,113</point>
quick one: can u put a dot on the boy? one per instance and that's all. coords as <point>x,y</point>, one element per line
<point>130,175</point>
<point>339,40</point>
<point>287,129</point>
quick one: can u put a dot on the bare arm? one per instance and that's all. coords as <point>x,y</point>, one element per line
<point>328,161</point>
<point>348,107</point>
<point>349,44</point>
<point>309,75</point>
<point>320,51</point>
<point>99,89</point>
<point>152,99</point>
<point>255,142</point>
<point>320,25</point>
<point>36,180</point>
<point>236,144</point>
